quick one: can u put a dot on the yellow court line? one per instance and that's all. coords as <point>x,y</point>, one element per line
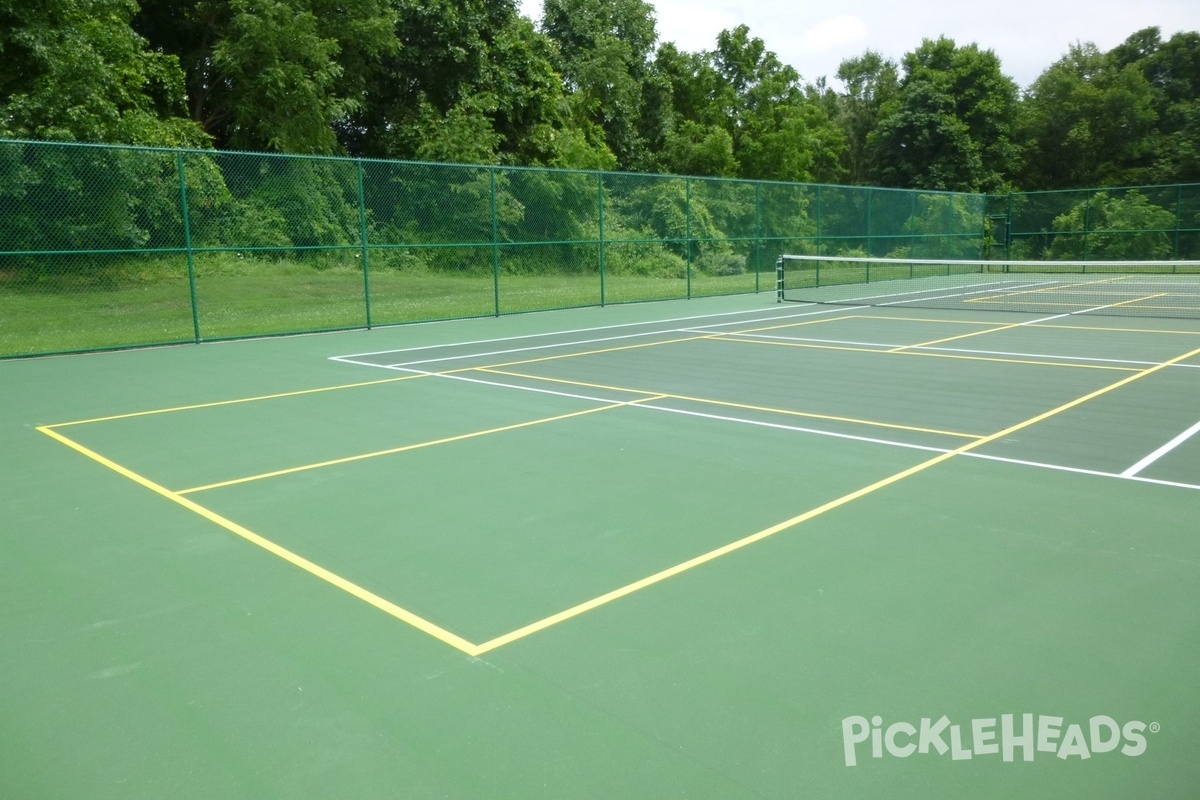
<point>799,324</point>
<point>658,577</point>
<point>1057,288</point>
<point>404,448</point>
<point>906,352</point>
<point>1114,330</point>
<point>731,404</point>
<point>235,401</point>
<point>420,623</point>
<point>895,318</point>
<point>1003,327</point>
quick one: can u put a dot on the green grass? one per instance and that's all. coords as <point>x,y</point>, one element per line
<point>148,301</point>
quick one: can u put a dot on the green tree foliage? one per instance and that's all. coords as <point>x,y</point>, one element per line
<point>1172,68</point>
<point>871,82</point>
<point>739,110</point>
<point>951,124</point>
<point>272,74</point>
<point>603,50</point>
<point>1087,121</point>
<point>1124,226</point>
<point>75,70</point>
<point>470,81</point>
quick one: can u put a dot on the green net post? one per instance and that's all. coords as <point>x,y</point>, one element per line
<point>187,243</point>
<point>779,280</point>
<point>362,235</point>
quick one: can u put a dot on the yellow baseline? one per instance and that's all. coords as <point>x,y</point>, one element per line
<point>787,524</point>
<point>386,606</point>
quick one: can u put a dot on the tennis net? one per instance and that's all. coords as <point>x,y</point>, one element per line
<point>1120,288</point>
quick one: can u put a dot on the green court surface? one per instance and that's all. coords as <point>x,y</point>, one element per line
<point>718,548</point>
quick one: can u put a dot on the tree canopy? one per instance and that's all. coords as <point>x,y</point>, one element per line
<point>591,86</point>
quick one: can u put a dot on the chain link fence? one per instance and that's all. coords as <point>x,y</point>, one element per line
<point>107,247</point>
<point>1142,223</point>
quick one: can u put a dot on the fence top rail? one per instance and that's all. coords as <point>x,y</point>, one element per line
<point>495,167</point>
<point>1098,189</point>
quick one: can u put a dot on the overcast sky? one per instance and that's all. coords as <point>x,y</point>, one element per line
<point>814,37</point>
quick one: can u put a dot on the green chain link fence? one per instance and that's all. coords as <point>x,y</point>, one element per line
<point>1142,223</point>
<point>106,247</point>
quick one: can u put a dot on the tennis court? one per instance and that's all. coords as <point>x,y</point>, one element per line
<point>718,548</point>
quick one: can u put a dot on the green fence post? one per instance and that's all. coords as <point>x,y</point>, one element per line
<point>820,226</point>
<point>362,236</point>
<point>1008,224</point>
<point>1087,224</point>
<point>1178,224</point>
<point>870,249</point>
<point>187,243</point>
<point>758,243</point>
<point>687,191</point>
<point>495,247</point>
<point>600,215</point>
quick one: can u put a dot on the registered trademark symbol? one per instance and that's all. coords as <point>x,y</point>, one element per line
<point>1155,727</point>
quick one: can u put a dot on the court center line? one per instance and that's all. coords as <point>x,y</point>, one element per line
<point>970,351</point>
<point>1008,326</point>
<point>787,524</point>
<point>907,350</point>
<point>235,401</point>
<point>386,606</point>
<point>728,404</point>
<point>1162,451</point>
<point>405,448</point>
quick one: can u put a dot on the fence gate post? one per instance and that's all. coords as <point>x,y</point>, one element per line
<point>187,243</point>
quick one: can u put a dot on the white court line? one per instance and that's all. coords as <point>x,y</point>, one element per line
<point>1160,452</point>
<point>350,359</point>
<point>781,426</point>
<point>964,350</point>
<point>576,330</point>
<point>991,287</point>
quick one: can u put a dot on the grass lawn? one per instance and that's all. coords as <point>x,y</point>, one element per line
<point>151,303</point>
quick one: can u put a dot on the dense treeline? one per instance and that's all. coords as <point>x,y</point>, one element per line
<point>588,85</point>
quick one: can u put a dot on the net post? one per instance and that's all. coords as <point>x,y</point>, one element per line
<point>779,280</point>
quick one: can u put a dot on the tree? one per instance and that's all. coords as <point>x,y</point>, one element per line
<point>1113,227</point>
<point>775,129</point>
<point>951,124</point>
<point>603,52</point>
<point>1088,121</point>
<point>272,74</point>
<point>75,69</point>
<point>871,83</point>
<point>469,81</point>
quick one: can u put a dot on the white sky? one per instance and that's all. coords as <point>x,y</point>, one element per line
<point>814,37</point>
